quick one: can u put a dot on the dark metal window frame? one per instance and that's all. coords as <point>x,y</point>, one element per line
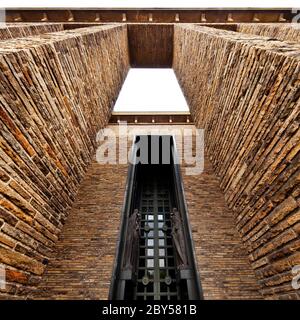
<point>191,276</point>
<point>156,269</point>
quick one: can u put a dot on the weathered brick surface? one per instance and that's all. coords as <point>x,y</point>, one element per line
<point>281,31</point>
<point>85,252</point>
<point>21,30</point>
<point>57,91</point>
<point>223,264</point>
<point>244,91</point>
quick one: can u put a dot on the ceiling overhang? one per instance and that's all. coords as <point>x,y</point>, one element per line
<point>161,15</point>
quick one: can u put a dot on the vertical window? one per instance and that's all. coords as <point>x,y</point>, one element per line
<point>155,256</point>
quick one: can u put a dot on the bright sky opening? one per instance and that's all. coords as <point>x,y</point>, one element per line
<point>151,90</point>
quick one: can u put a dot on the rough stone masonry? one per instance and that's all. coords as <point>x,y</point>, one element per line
<point>244,90</point>
<point>57,91</point>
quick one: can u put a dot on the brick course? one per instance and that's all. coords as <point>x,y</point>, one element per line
<point>85,253</point>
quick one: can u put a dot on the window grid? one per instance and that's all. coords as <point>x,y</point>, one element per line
<point>156,268</point>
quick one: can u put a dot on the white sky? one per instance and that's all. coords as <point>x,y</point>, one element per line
<point>151,90</point>
<point>152,3</point>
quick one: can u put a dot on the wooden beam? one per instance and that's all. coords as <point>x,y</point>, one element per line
<point>169,15</point>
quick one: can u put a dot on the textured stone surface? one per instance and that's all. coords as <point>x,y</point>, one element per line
<point>85,252</point>
<point>244,91</point>
<point>223,265</point>
<point>57,91</point>
<point>281,31</point>
<point>20,30</point>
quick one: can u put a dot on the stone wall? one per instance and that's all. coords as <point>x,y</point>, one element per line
<point>224,269</point>
<point>223,265</point>
<point>281,31</point>
<point>21,30</point>
<point>244,91</point>
<point>86,251</point>
<point>57,91</point>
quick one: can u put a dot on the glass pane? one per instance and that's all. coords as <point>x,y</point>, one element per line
<point>161,242</point>
<point>162,273</point>
<point>150,234</point>
<point>150,263</point>
<point>161,263</point>
<point>162,252</point>
<point>150,274</point>
<point>150,252</point>
<point>150,242</point>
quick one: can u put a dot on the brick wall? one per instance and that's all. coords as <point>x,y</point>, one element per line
<point>244,91</point>
<point>57,91</point>
<point>85,253</point>
<point>223,265</point>
<point>224,268</point>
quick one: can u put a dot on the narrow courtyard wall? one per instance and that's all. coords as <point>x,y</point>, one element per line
<point>57,91</point>
<point>86,252</point>
<point>244,91</point>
